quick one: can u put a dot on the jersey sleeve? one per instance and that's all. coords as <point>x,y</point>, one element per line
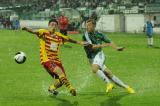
<point>62,36</point>
<point>41,32</point>
<point>105,39</point>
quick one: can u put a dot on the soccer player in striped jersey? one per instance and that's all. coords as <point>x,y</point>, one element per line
<point>50,41</point>
<point>97,58</point>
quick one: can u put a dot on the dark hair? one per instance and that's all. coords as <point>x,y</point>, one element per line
<point>92,20</point>
<point>53,20</point>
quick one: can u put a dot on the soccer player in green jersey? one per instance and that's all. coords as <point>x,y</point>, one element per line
<point>97,58</point>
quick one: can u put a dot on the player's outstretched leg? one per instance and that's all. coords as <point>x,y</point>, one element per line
<point>121,84</point>
<point>117,81</point>
<point>100,73</point>
<point>66,82</point>
<point>63,79</point>
<point>52,88</point>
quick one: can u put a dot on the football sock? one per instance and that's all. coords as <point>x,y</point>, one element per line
<point>57,83</point>
<point>65,82</point>
<point>148,41</point>
<point>151,41</point>
<point>103,76</point>
<point>52,87</point>
<point>118,82</point>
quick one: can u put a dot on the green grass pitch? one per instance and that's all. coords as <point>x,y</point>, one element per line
<point>27,84</point>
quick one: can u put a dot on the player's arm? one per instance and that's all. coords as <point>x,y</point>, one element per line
<point>113,45</point>
<point>107,43</point>
<point>67,39</point>
<point>77,42</point>
<point>83,43</point>
<point>30,30</point>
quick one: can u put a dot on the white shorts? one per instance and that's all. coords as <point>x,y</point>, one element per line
<point>99,59</point>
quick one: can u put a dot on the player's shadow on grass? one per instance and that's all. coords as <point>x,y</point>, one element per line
<point>90,95</point>
<point>113,100</point>
<point>65,102</point>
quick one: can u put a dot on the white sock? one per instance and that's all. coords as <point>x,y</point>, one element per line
<point>118,82</point>
<point>151,41</point>
<point>103,76</point>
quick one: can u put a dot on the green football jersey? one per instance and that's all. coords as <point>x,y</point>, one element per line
<point>95,38</point>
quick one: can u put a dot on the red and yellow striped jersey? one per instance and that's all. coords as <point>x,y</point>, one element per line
<point>49,45</point>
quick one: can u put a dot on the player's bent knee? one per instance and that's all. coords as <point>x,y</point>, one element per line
<point>95,68</point>
<point>59,72</point>
<point>94,71</point>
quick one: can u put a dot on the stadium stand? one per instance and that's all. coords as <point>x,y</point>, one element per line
<point>78,11</point>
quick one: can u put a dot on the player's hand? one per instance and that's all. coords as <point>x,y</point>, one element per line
<point>120,48</point>
<point>81,43</point>
<point>87,44</point>
<point>95,46</point>
<point>90,46</point>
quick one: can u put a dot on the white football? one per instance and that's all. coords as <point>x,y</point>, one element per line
<point>20,57</point>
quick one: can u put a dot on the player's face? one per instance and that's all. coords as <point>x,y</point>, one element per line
<point>52,26</point>
<point>90,27</point>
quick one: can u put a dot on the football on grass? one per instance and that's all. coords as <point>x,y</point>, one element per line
<point>20,57</point>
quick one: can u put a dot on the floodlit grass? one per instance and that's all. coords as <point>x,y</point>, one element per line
<point>27,84</point>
